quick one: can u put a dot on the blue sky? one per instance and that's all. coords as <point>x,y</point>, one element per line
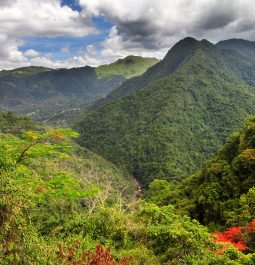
<point>74,33</point>
<point>73,45</point>
<point>72,4</point>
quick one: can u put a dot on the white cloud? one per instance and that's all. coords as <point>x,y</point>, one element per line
<point>35,18</point>
<point>151,27</point>
<point>31,53</point>
<point>43,18</point>
<point>140,27</point>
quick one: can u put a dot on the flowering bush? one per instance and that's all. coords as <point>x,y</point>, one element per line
<point>238,237</point>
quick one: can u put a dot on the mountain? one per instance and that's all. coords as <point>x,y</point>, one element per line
<point>43,93</point>
<point>165,123</point>
<point>240,56</point>
<point>244,47</point>
<point>178,54</point>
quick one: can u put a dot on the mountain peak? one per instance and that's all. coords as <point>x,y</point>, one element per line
<point>129,66</point>
<point>182,51</point>
<point>190,44</point>
<point>188,40</point>
<point>131,59</point>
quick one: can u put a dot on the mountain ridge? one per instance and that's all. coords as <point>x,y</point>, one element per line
<point>40,92</point>
<point>169,127</point>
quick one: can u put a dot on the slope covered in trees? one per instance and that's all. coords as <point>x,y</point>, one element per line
<point>128,67</point>
<point>240,56</point>
<point>43,92</point>
<point>54,210</point>
<point>165,123</point>
<point>222,193</point>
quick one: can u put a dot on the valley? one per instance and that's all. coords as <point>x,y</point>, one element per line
<point>154,159</point>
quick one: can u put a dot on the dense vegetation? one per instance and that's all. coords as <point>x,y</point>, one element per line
<point>56,205</point>
<point>223,192</point>
<point>56,95</point>
<point>128,67</point>
<point>61,203</point>
<point>175,116</point>
<point>240,56</point>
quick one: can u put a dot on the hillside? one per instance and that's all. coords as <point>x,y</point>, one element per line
<point>83,164</point>
<point>128,67</point>
<point>240,56</point>
<point>244,47</point>
<point>165,123</point>
<point>174,58</point>
<point>222,193</point>
<point>44,93</point>
<point>14,124</point>
<point>62,204</point>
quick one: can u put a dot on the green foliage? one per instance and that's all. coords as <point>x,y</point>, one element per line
<point>223,192</point>
<point>50,200</point>
<point>128,67</point>
<point>173,237</point>
<point>46,183</point>
<point>158,192</point>
<point>14,124</point>
<point>62,95</point>
<point>165,123</point>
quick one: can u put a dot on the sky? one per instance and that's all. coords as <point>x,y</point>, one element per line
<point>75,33</point>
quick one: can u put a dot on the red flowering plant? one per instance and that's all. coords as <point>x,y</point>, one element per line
<point>233,236</point>
<point>241,238</point>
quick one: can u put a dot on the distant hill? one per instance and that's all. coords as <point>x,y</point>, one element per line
<point>174,58</point>
<point>43,93</point>
<point>244,47</point>
<point>128,67</point>
<point>240,56</point>
<point>165,123</point>
<point>25,71</point>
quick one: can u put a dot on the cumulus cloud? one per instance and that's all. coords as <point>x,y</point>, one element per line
<point>140,27</point>
<point>4,3</point>
<point>31,53</point>
<point>154,26</point>
<point>34,18</point>
<point>43,18</point>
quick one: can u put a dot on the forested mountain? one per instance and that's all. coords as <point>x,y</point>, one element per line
<point>174,58</point>
<point>240,56</point>
<point>42,92</point>
<point>165,123</point>
<point>243,47</point>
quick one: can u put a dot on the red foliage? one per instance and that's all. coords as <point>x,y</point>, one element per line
<point>101,256</point>
<point>233,236</point>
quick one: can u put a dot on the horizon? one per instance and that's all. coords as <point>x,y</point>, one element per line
<point>122,58</point>
<point>76,33</point>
